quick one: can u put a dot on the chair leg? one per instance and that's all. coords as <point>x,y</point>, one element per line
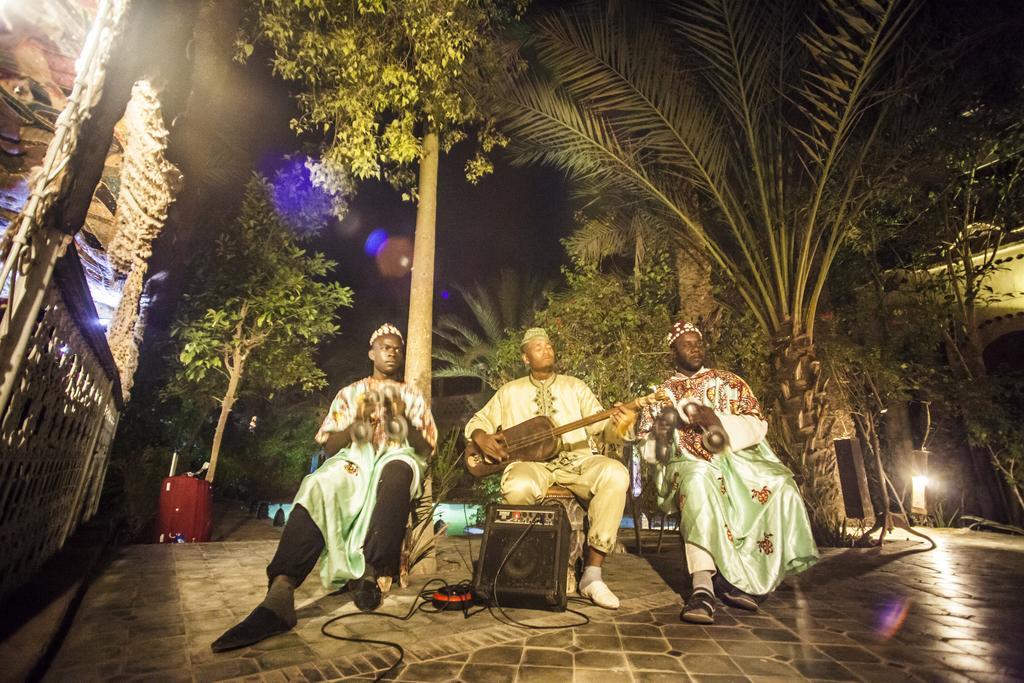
<point>636,527</point>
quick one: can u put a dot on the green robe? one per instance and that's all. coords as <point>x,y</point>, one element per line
<point>741,506</point>
<point>341,494</point>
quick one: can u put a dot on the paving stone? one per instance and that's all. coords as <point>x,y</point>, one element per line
<point>776,634</point>
<point>881,672</point>
<point>431,671</point>
<point>742,648</point>
<point>605,676</point>
<point>597,659</point>
<point>562,638</point>
<point>547,657</point>
<point>717,632</point>
<point>965,663</point>
<point>643,630</point>
<point>790,651</point>
<point>276,659</point>
<point>761,666</point>
<point>823,669</point>
<point>630,644</point>
<point>544,674</point>
<point>638,618</point>
<point>231,668</point>
<point>703,645</point>
<point>589,642</point>
<point>846,653</point>
<point>156,609</point>
<point>488,673</point>
<point>654,662</point>
<point>710,664</point>
<point>497,655</point>
<point>85,672</point>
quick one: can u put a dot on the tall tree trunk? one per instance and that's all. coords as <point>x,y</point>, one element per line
<point>225,409</point>
<point>806,425</point>
<point>693,278</point>
<point>421,294</point>
<point>421,308</point>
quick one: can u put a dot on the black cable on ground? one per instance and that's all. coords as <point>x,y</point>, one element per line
<point>424,602</point>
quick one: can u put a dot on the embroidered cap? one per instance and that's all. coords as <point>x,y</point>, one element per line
<point>534,333</point>
<point>679,328</point>
<point>386,328</point>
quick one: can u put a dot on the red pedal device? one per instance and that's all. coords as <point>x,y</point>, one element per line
<point>452,597</point>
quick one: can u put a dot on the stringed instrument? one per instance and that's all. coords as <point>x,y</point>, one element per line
<point>537,439</point>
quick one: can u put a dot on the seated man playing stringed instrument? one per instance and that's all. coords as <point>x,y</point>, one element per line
<point>590,476</point>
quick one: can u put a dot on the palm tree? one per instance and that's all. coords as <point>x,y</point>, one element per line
<point>613,226</point>
<point>759,115</point>
<point>471,348</point>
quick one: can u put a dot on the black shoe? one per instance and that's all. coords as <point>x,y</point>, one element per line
<point>700,608</point>
<point>366,594</point>
<point>259,625</point>
<point>734,597</point>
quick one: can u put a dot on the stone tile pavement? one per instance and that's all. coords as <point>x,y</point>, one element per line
<point>955,613</point>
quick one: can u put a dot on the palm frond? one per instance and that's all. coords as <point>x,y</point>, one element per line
<point>849,46</point>
<point>596,239</point>
<point>630,70</point>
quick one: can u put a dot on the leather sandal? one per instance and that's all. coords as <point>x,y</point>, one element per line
<point>699,608</point>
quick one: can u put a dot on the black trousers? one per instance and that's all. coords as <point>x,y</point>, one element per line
<point>301,541</point>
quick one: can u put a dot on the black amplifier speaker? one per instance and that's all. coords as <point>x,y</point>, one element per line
<point>524,557</point>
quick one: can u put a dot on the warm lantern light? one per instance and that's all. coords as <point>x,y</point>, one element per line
<point>919,483</point>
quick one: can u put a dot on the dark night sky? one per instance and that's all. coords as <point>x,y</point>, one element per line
<point>513,218</point>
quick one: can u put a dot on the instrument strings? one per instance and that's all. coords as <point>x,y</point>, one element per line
<point>540,437</point>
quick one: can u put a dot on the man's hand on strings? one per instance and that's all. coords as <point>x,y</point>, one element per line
<point>492,446</point>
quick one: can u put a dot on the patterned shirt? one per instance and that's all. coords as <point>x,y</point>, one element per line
<point>346,404</point>
<point>722,391</point>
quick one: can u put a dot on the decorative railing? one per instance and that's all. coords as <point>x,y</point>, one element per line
<point>55,434</point>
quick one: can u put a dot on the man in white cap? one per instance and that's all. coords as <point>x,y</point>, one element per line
<point>740,512</point>
<point>590,476</point>
<point>352,511</point>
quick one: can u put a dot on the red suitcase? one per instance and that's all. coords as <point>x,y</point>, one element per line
<point>186,509</point>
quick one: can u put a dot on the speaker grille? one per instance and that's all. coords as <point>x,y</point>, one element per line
<point>532,572</point>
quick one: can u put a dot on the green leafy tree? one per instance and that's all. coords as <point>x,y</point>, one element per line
<point>747,125</point>
<point>255,313</point>
<point>608,329</point>
<point>928,250</point>
<point>265,458</point>
<point>389,84</point>
<point>479,347</point>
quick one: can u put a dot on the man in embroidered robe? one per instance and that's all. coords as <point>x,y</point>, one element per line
<point>590,476</point>
<point>741,513</point>
<point>351,513</point>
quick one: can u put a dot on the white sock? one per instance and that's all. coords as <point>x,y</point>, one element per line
<point>590,575</point>
<point>702,580</point>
